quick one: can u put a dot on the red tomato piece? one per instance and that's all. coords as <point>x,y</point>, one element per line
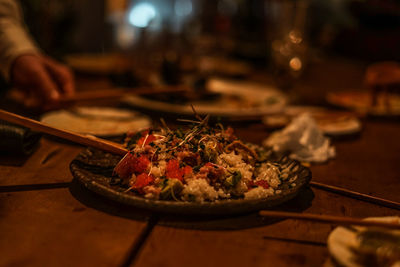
<point>172,170</point>
<point>187,170</point>
<point>262,183</point>
<point>143,180</point>
<point>147,139</point>
<point>209,164</point>
<point>141,164</point>
<point>124,168</point>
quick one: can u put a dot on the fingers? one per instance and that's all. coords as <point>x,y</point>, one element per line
<point>61,75</point>
<point>42,77</point>
<point>29,74</point>
<point>45,85</point>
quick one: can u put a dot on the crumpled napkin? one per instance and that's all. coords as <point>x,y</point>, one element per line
<point>303,139</point>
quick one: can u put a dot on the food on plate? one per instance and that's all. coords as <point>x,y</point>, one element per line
<point>383,79</point>
<point>218,98</point>
<point>358,246</point>
<point>200,164</point>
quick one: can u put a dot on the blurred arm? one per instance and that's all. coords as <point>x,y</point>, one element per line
<point>14,39</point>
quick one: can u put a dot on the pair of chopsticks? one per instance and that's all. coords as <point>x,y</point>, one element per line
<point>87,140</point>
<point>113,93</point>
<point>114,148</point>
<point>357,195</point>
<point>118,93</point>
<point>339,220</point>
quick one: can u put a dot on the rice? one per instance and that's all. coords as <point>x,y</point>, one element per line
<point>259,192</point>
<point>199,190</point>
<point>269,173</point>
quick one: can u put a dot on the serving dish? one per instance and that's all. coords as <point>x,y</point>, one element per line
<point>93,168</point>
<point>235,99</point>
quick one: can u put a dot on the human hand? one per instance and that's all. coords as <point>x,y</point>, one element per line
<point>42,80</point>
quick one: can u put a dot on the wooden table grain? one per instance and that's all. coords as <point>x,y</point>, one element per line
<point>48,219</point>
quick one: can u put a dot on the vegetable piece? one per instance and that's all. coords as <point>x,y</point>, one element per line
<point>262,183</point>
<point>173,170</point>
<point>172,189</point>
<point>147,139</point>
<point>142,180</point>
<point>124,168</point>
<point>133,139</point>
<point>233,180</point>
<point>187,170</point>
<point>141,164</point>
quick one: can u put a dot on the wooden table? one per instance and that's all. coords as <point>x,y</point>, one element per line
<point>48,219</point>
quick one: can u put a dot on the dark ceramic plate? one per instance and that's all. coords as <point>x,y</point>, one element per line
<point>94,168</point>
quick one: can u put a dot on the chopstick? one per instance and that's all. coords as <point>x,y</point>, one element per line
<point>357,195</point>
<point>339,220</point>
<point>86,140</point>
<point>118,93</point>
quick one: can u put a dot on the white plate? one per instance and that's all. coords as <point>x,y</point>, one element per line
<point>344,244</point>
<point>100,121</point>
<point>239,99</point>
<point>329,121</point>
<point>360,101</point>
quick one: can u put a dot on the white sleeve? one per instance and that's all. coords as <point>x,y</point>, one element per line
<point>14,38</point>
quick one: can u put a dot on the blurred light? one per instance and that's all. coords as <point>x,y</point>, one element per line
<point>125,36</point>
<point>295,37</point>
<point>183,7</point>
<point>142,14</point>
<point>295,64</point>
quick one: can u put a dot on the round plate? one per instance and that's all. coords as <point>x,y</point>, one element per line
<point>361,102</point>
<point>99,121</point>
<point>346,249</point>
<point>94,168</point>
<point>329,121</point>
<point>238,99</point>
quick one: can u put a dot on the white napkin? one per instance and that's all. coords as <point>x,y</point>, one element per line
<point>303,139</point>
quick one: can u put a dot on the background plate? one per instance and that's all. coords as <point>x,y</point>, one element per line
<point>99,121</point>
<point>345,248</point>
<point>238,99</point>
<point>361,102</point>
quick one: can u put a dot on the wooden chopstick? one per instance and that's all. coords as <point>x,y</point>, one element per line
<point>86,140</point>
<point>339,220</point>
<point>357,195</point>
<point>118,93</point>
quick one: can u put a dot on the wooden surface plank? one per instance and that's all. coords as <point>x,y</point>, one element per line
<point>368,164</point>
<point>251,240</point>
<point>48,164</point>
<point>47,220</point>
<point>57,227</point>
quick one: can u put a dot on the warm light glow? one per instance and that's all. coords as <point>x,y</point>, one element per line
<point>295,37</point>
<point>142,14</point>
<point>295,64</point>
